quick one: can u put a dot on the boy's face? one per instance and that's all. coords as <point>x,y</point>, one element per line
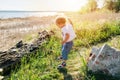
<point>61,25</point>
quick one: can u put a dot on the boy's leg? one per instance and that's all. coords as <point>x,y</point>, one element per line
<point>65,50</point>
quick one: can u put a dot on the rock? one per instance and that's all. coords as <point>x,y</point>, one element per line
<point>19,44</point>
<point>106,59</point>
<point>43,34</point>
<point>12,51</point>
<point>1,52</point>
<point>33,47</point>
<point>51,33</point>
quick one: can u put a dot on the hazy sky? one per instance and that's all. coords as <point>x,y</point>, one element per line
<point>42,5</point>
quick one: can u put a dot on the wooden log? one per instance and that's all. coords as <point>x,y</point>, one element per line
<point>11,59</point>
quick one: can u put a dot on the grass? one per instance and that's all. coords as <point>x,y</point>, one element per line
<point>40,66</point>
<point>94,33</point>
<point>43,65</point>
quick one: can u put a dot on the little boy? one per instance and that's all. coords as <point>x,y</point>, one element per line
<point>68,35</point>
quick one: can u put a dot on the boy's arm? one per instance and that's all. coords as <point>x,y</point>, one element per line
<point>67,36</point>
<point>70,21</point>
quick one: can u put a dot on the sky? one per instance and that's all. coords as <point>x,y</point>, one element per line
<point>42,5</point>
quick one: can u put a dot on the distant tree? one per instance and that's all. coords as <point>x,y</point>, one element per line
<point>117,6</point>
<point>109,4</point>
<point>92,5</point>
<point>89,7</point>
<point>113,5</point>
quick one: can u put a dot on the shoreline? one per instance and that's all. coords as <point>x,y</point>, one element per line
<point>13,30</point>
<point>24,14</point>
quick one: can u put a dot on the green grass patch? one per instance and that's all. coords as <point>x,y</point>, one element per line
<point>98,33</point>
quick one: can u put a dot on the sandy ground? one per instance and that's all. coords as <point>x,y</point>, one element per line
<point>16,29</point>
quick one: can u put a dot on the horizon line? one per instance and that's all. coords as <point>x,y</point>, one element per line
<point>32,11</point>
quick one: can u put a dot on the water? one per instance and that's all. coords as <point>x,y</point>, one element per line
<point>21,14</point>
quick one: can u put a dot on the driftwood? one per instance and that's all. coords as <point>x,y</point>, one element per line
<point>9,59</point>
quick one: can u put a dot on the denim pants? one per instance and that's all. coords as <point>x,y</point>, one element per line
<point>66,49</point>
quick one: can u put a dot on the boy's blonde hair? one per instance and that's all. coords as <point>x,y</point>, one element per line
<point>60,20</point>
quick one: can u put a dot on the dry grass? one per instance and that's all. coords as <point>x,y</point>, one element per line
<point>93,16</point>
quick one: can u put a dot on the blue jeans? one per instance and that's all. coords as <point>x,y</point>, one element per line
<point>66,49</point>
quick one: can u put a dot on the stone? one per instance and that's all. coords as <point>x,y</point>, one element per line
<point>106,59</point>
<point>33,47</point>
<point>19,44</point>
<point>12,51</point>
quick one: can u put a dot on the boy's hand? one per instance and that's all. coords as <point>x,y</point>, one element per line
<point>70,21</point>
<point>66,38</point>
<point>62,42</point>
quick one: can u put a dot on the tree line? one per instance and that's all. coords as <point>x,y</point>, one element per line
<point>92,5</point>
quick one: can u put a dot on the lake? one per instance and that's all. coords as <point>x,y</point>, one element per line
<point>21,14</point>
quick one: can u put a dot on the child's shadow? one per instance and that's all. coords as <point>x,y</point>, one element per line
<point>65,74</point>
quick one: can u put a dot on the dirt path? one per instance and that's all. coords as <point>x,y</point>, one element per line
<point>74,64</point>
